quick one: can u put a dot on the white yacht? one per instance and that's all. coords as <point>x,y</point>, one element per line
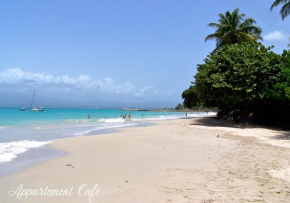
<point>33,108</point>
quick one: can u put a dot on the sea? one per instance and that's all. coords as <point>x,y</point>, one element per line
<point>21,131</point>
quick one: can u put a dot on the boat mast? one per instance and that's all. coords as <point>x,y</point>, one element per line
<point>33,100</point>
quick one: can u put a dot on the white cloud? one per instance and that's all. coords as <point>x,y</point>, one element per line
<point>145,90</point>
<point>276,36</point>
<point>17,76</point>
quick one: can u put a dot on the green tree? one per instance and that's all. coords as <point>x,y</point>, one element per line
<point>191,98</point>
<point>233,28</point>
<point>282,88</point>
<point>179,107</point>
<point>285,10</point>
<point>238,75</point>
<point>244,80</point>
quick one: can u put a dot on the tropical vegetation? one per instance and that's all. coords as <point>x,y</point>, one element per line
<point>285,10</point>
<point>242,78</point>
<point>245,81</point>
<point>179,107</point>
<point>234,28</point>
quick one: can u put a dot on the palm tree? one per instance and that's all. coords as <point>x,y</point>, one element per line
<point>233,28</point>
<point>285,10</point>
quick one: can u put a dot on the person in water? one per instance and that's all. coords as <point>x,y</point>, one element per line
<point>124,116</point>
<point>89,116</point>
<point>130,115</point>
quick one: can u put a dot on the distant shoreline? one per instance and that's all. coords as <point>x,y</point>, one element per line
<point>171,110</point>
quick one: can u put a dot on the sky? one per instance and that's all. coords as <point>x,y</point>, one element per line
<point>113,53</point>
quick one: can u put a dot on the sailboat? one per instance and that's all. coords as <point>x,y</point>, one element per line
<point>32,107</point>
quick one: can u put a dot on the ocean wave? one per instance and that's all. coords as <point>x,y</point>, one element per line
<point>170,117</point>
<point>159,118</point>
<point>104,127</point>
<point>112,120</point>
<point>202,114</point>
<point>10,150</point>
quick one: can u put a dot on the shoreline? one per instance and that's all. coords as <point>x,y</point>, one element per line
<point>30,158</point>
<point>165,160</point>
<point>12,149</point>
<point>47,152</point>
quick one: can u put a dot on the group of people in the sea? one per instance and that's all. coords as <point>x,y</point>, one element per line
<point>125,115</point>
<point>122,116</point>
<point>130,115</point>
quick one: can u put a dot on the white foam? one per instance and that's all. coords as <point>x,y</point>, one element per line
<point>159,118</point>
<point>103,127</point>
<point>199,115</point>
<point>170,117</point>
<point>10,150</point>
<point>112,120</point>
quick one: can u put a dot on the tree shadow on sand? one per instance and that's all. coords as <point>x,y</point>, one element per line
<point>285,135</point>
<point>215,122</point>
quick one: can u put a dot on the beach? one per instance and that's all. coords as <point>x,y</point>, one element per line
<point>180,160</point>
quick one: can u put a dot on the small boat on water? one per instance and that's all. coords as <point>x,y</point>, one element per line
<point>33,108</point>
<point>23,109</point>
<point>37,109</point>
<point>41,109</point>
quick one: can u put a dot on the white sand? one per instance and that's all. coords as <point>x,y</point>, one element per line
<point>173,161</point>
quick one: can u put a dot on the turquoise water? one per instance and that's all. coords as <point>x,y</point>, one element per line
<point>15,117</point>
<point>23,130</point>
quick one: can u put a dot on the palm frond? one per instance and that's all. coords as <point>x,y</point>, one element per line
<point>248,21</point>
<point>212,37</point>
<point>257,37</point>
<point>214,25</point>
<point>251,29</point>
<point>285,10</point>
<point>277,3</point>
<point>232,28</point>
<point>244,37</point>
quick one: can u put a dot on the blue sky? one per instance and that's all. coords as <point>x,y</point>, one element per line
<point>91,52</point>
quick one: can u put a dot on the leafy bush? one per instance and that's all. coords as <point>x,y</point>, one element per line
<point>247,76</point>
<point>191,98</point>
<point>179,107</point>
